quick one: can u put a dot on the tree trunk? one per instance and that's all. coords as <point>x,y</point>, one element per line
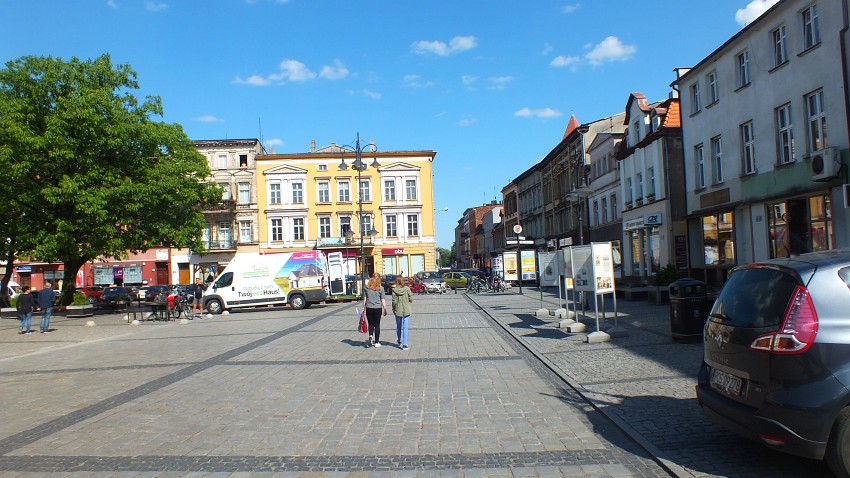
<point>69,279</point>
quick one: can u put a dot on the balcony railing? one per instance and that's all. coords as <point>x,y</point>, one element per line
<point>220,244</point>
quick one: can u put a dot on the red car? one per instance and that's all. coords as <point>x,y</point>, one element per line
<point>94,293</point>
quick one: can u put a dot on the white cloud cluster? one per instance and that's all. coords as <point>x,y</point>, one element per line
<point>570,8</point>
<point>416,81</point>
<point>207,119</point>
<point>270,144</point>
<point>457,44</point>
<point>156,7</point>
<point>293,71</point>
<point>537,113</point>
<point>608,50</point>
<point>499,83</point>
<point>112,4</point>
<point>753,10</point>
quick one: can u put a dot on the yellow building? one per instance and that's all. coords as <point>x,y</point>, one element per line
<point>313,201</point>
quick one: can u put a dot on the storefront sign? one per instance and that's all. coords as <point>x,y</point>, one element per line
<point>390,251</point>
<point>652,220</point>
<point>23,269</point>
<point>636,223</point>
<point>567,241</point>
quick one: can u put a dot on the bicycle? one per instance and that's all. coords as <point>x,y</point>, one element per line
<point>180,305</point>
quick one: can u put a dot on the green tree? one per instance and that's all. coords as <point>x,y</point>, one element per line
<point>89,170</point>
<point>445,257</point>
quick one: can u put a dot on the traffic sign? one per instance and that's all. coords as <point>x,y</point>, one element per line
<point>517,229</point>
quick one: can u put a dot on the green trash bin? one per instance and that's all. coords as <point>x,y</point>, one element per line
<point>689,308</point>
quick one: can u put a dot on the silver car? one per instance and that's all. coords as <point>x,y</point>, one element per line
<point>432,281</point>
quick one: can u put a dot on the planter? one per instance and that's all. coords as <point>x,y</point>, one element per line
<point>72,311</point>
<point>9,313</point>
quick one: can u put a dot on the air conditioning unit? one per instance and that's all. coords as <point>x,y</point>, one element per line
<point>826,164</point>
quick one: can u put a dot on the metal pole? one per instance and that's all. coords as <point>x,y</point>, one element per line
<point>359,167</point>
<point>518,265</point>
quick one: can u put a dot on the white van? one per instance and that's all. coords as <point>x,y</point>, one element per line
<point>299,279</point>
<point>13,289</point>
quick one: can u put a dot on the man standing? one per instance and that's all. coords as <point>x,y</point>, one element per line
<point>46,298</point>
<point>197,294</point>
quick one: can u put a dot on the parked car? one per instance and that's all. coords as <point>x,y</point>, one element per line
<point>93,293</point>
<point>387,281</point>
<point>776,364</point>
<point>476,273</point>
<point>154,290</point>
<point>456,280</point>
<point>431,280</point>
<point>117,296</point>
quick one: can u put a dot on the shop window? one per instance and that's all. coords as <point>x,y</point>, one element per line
<point>718,239</point>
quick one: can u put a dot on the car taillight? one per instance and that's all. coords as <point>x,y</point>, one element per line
<point>798,329</point>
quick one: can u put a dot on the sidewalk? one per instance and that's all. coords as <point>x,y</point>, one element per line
<point>644,381</point>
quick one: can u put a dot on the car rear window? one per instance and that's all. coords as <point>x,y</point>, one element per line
<point>755,297</point>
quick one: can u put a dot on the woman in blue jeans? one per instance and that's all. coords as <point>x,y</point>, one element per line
<point>402,297</point>
<point>375,305</point>
<point>24,307</point>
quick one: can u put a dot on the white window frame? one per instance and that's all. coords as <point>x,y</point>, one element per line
<point>713,91</point>
<point>343,191</point>
<point>785,134</point>
<point>323,192</point>
<point>391,226</point>
<point>298,229</point>
<point>717,159</point>
<point>780,46</point>
<point>344,221</point>
<point>297,193</point>
<point>365,224</point>
<point>816,121</point>
<point>810,27</point>
<point>696,98</point>
<point>629,190</point>
<point>246,231</point>
<point>365,190</point>
<point>604,207</point>
<point>244,193</point>
<point>324,227</point>
<point>748,147</point>
<point>651,178</point>
<point>389,190</point>
<point>699,161</point>
<point>411,192</point>
<point>412,225</point>
<point>639,182</point>
<point>276,229</point>
<point>222,161</point>
<point>274,193</point>
<point>743,68</point>
<point>614,207</point>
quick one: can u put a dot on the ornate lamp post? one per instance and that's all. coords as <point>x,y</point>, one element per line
<point>359,166</point>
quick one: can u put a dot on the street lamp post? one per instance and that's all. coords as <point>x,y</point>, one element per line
<point>359,166</point>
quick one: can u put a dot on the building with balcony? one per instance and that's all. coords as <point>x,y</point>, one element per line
<point>474,236</point>
<point>308,201</point>
<point>766,177</point>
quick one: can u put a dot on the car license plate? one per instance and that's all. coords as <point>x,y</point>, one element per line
<point>726,382</point>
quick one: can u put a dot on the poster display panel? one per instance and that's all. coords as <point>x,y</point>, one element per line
<point>529,265</point>
<point>582,266</point>
<point>549,268</point>
<point>567,270</point>
<point>509,264</point>
<point>603,267</point>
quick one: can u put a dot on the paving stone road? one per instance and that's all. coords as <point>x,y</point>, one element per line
<point>487,389</point>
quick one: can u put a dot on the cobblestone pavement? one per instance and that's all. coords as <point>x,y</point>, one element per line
<point>645,381</point>
<point>277,392</point>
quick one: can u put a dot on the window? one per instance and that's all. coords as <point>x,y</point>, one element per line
<point>222,161</point>
<point>323,167</point>
<point>713,91</point>
<point>277,229</point>
<point>298,229</point>
<point>696,98</point>
<point>636,131</point>
<point>784,134</point>
<point>274,193</point>
<point>323,191</point>
<point>410,189</point>
<point>595,212</point>
<point>391,226</point>
<point>811,27</point>
<point>639,181</point>
<point>244,193</point>
<point>344,191</point>
<point>225,195</point>
<point>717,160</point>
<point>297,193</point>
<point>748,148</point>
<point>224,239</point>
<point>699,161</point>
<point>613,207</point>
<point>366,225</point>
<point>412,225</point>
<point>324,226</point>
<point>629,194</point>
<point>743,69</point>
<point>344,225</point>
<point>717,239</point>
<point>389,190</point>
<point>365,194</point>
<point>243,160</point>
<point>651,175</point>
<point>780,49</point>
<point>604,210</point>
<point>246,231</point>
<point>817,121</point>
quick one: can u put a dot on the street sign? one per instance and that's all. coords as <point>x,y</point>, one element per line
<point>517,229</point>
<point>513,242</point>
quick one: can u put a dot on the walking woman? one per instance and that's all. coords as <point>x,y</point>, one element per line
<point>375,304</point>
<point>24,306</point>
<point>402,297</point>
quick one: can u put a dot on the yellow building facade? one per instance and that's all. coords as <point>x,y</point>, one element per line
<point>318,200</point>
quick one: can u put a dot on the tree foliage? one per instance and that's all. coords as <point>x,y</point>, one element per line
<point>88,170</point>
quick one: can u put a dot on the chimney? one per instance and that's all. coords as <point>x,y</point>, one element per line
<point>312,145</point>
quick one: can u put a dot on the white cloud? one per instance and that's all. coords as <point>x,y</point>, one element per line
<point>538,113</point>
<point>415,81</point>
<point>290,71</point>
<point>271,143</point>
<point>253,80</point>
<point>337,71</point>
<point>371,94</point>
<point>499,82</point>
<point>112,4</point>
<point>207,119</point>
<point>468,79</point>
<point>570,8</point>
<point>468,121</point>
<point>610,49</point>
<point>156,7</point>
<point>547,48</point>
<point>457,44</point>
<point>562,61</point>
<point>753,10</point>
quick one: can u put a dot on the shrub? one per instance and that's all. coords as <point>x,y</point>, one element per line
<point>666,275</point>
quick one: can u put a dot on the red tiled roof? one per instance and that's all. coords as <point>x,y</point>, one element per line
<point>571,126</point>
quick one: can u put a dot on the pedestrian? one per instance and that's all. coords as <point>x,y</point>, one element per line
<point>197,294</point>
<point>24,307</point>
<point>402,297</point>
<point>46,298</point>
<point>375,304</point>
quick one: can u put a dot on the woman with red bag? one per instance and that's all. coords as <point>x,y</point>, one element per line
<point>375,304</point>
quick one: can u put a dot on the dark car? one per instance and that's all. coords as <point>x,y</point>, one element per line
<point>388,281</point>
<point>776,365</point>
<point>154,290</point>
<point>93,293</point>
<point>117,296</point>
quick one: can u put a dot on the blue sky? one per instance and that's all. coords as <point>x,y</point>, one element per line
<point>489,86</point>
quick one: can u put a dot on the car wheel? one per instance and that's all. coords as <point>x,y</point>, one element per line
<point>297,301</point>
<point>838,448</point>
<point>214,306</point>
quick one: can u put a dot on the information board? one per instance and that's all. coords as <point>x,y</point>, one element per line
<point>549,268</point>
